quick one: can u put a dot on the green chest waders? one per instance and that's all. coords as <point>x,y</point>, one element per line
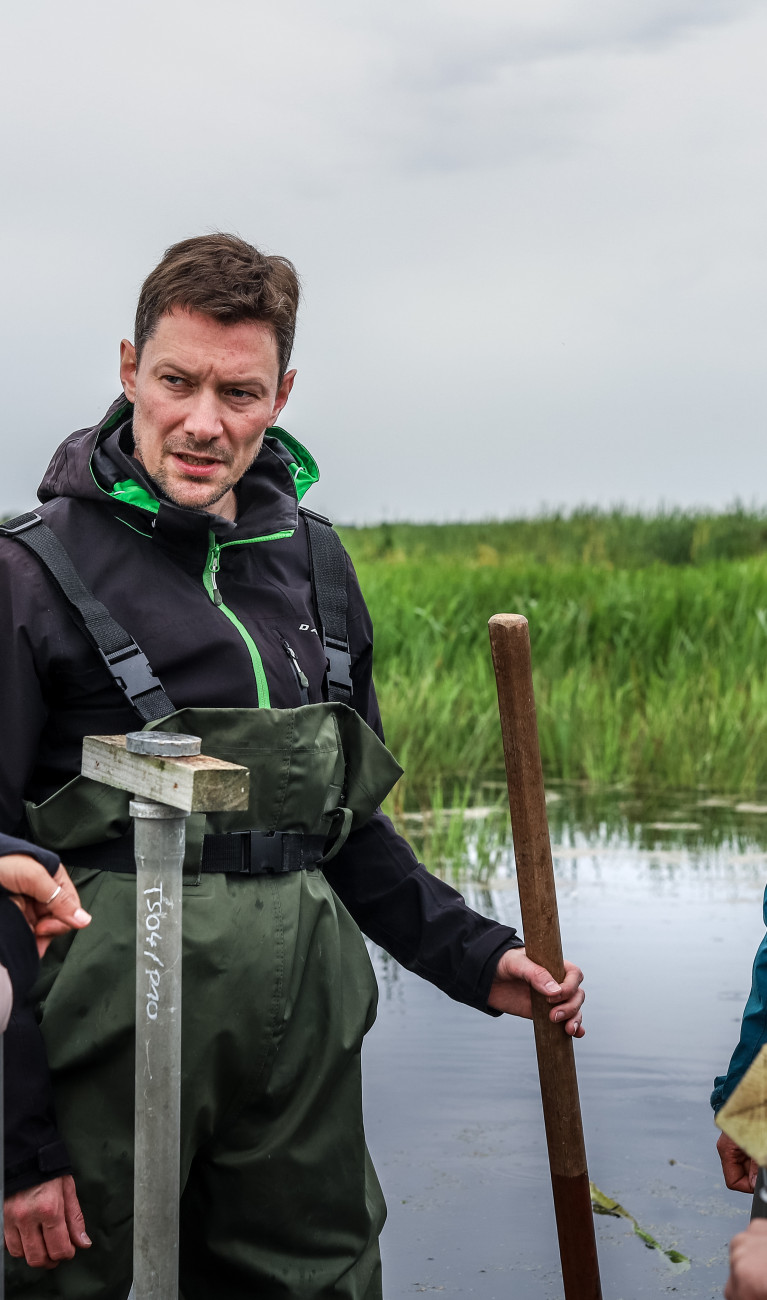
<point>317,772</point>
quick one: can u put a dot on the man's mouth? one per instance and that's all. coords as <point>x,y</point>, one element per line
<point>196,466</point>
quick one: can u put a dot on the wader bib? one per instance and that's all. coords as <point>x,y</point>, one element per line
<point>280,1199</point>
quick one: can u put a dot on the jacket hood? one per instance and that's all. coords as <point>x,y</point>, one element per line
<point>98,464</point>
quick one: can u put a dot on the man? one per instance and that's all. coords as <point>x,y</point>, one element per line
<point>180,514</point>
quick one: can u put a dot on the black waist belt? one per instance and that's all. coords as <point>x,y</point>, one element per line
<point>241,853</point>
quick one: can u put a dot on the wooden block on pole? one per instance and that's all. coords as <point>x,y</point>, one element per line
<point>193,784</point>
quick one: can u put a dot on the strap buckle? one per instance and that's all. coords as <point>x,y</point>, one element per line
<point>20,524</point>
<point>131,671</point>
<point>263,854</point>
<point>339,664</point>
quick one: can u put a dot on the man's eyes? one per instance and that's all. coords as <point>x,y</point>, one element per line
<point>239,394</point>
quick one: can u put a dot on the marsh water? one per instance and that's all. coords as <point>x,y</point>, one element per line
<point>661,904</point>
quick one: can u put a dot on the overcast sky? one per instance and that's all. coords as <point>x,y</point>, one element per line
<point>531,235</point>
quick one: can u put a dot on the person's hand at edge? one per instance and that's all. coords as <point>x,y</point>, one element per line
<point>748,1264</point>
<point>45,1224</point>
<point>516,974</point>
<point>739,1169</point>
<point>32,889</point>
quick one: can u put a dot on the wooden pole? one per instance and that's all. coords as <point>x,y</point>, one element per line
<point>510,643</point>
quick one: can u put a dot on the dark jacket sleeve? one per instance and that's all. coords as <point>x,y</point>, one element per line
<point>34,1151</point>
<point>424,923</point>
<point>416,917</point>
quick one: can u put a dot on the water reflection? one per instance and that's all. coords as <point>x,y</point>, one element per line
<point>472,838</point>
<point>660,902</point>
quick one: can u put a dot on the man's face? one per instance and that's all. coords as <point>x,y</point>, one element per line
<point>203,395</point>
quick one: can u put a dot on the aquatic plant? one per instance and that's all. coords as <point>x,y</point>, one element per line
<point>602,1204</point>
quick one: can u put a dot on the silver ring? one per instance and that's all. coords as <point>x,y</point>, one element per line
<point>55,894</point>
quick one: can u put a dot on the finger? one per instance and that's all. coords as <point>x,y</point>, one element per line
<point>66,905</point>
<point>734,1165</point>
<point>46,930</point>
<point>26,907</point>
<point>25,876</point>
<point>13,1242</point>
<point>572,980</point>
<point>572,1025</point>
<point>74,1215</point>
<point>58,1243</point>
<point>737,1169</point>
<point>21,874</point>
<point>35,1248</point>
<point>536,976</point>
<point>51,926</point>
<point>575,1029</point>
<point>563,1011</point>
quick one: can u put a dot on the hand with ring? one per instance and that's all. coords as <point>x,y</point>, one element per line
<point>50,905</point>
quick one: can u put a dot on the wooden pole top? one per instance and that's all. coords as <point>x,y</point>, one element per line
<point>195,783</point>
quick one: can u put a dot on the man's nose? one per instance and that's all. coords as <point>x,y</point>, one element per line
<point>203,416</point>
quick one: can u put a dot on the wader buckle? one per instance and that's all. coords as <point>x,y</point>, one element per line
<point>261,853</point>
<point>339,664</point>
<point>279,852</point>
<point>131,671</point>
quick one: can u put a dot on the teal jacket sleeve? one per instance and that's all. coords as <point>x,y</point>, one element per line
<point>753,1029</point>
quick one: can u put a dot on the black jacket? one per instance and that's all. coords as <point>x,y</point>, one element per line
<point>161,571</point>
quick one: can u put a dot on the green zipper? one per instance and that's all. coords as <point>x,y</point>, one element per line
<point>212,566</point>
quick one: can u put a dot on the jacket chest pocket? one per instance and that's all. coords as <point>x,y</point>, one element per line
<point>295,664</point>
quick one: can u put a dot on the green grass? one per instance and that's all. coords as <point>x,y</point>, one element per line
<point>649,666</point>
<point>606,539</point>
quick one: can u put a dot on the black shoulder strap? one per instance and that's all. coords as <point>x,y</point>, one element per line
<point>328,572</point>
<point>125,660</point>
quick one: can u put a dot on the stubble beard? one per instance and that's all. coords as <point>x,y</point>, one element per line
<point>168,484</point>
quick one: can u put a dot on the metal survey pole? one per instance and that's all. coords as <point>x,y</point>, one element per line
<point>168,778</point>
<point>160,838</point>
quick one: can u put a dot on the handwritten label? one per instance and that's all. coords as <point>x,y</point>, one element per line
<point>153,940</point>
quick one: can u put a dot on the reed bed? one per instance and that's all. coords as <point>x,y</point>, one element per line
<point>648,672</point>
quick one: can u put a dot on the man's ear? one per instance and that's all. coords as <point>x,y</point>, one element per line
<point>283,393</point>
<point>128,369</point>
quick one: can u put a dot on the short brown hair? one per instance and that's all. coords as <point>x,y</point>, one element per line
<point>224,277</point>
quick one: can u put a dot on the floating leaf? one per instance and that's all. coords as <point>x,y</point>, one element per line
<point>602,1204</point>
